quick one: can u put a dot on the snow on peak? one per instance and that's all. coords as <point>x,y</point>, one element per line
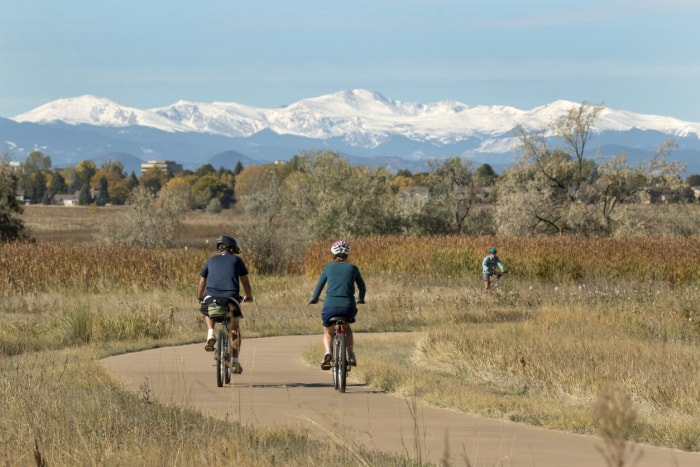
<point>359,116</point>
<point>97,111</point>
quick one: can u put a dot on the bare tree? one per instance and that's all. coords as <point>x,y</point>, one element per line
<point>556,187</point>
<point>618,182</point>
<point>453,192</point>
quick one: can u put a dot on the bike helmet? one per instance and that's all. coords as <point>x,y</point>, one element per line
<point>224,241</point>
<point>340,248</point>
<point>492,250</point>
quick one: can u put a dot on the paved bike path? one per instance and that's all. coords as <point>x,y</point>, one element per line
<point>277,388</point>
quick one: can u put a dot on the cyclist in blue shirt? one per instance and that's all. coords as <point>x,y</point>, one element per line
<point>489,265</point>
<point>221,277</point>
<point>340,277</point>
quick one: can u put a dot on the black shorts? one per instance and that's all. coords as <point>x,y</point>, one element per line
<point>348,313</point>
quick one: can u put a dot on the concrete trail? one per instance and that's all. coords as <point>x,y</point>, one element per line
<point>277,388</point>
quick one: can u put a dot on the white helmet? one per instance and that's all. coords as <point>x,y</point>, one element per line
<point>340,248</point>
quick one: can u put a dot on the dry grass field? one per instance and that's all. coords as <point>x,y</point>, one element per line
<point>80,223</point>
<point>577,325</point>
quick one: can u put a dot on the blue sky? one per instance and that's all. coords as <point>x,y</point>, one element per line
<point>636,55</point>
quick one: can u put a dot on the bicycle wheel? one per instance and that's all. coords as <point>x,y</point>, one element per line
<point>341,362</point>
<point>334,351</point>
<point>228,360</point>
<point>221,344</point>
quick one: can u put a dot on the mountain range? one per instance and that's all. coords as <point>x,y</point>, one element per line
<point>363,126</point>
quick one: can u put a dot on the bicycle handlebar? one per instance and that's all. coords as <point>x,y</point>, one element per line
<point>359,302</point>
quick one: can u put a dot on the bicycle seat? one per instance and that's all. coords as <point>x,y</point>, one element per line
<point>338,319</point>
<point>220,319</point>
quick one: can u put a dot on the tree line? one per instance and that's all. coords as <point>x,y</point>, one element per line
<point>110,184</point>
<point>554,187</point>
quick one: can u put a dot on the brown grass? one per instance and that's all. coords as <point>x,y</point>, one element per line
<point>556,259</point>
<point>578,322</point>
<point>80,223</point>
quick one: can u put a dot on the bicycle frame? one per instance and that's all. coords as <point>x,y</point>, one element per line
<point>494,279</point>
<point>223,353</point>
<point>339,363</point>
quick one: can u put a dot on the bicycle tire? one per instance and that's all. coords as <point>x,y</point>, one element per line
<point>229,359</point>
<point>220,358</point>
<point>334,351</point>
<point>341,365</point>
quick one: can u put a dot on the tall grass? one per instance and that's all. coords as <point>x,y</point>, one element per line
<point>555,259</point>
<point>30,268</point>
<point>27,268</point>
<point>575,318</point>
<point>61,408</point>
<point>543,355</point>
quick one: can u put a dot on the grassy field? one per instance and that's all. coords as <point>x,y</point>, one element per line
<point>577,325</point>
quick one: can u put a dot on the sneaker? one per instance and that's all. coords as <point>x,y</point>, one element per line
<point>351,360</point>
<point>237,368</point>
<point>211,341</point>
<point>326,364</point>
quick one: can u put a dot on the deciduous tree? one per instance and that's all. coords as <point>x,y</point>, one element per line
<point>151,219</point>
<point>36,171</point>
<point>452,194</point>
<point>556,187</point>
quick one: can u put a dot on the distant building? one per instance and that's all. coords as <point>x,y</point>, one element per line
<point>66,200</point>
<point>169,167</point>
<point>21,197</point>
<point>696,192</point>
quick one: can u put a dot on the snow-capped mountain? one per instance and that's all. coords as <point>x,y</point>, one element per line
<point>356,123</point>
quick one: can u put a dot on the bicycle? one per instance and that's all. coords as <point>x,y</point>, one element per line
<point>494,279</point>
<point>339,363</point>
<point>223,352</point>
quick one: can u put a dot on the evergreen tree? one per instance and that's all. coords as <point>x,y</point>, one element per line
<point>103,195</point>
<point>11,228</point>
<point>132,182</point>
<point>57,184</point>
<point>85,198</point>
<point>238,168</point>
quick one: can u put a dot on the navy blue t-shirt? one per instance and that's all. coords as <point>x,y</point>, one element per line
<point>222,272</point>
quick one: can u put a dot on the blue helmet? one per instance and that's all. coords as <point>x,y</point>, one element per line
<point>492,250</point>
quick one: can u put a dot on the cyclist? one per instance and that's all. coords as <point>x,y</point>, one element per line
<point>341,277</point>
<point>221,277</point>
<point>488,267</point>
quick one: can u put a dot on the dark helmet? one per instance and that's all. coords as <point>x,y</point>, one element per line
<point>224,241</point>
<point>492,250</point>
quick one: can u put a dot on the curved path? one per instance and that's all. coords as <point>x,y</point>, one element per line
<point>277,388</point>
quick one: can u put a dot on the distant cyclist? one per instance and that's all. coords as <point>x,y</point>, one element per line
<point>491,266</point>
<point>221,277</point>
<point>340,276</point>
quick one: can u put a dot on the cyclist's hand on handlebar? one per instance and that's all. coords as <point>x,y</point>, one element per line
<point>247,299</point>
<point>360,302</point>
<point>313,302</point>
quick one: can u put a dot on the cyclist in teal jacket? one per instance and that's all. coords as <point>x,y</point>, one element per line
<point>340,277</point>
<point>488,267</point>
